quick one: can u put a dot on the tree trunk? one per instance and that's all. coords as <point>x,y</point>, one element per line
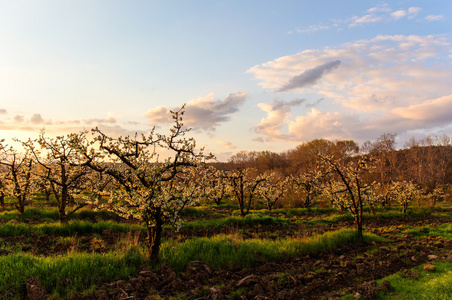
<point>2,199</point>
<point>21,204</point>
<point>404,207</point>
<point>154,238</point>
<point>359,226</point>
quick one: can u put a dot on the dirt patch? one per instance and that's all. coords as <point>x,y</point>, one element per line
<point>349,269</point>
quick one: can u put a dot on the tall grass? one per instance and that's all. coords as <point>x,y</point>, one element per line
<point>65,275</point>
<point>231,251</point>
<point>251,219</point>
<point>68,229</point>
<point>52,214</point>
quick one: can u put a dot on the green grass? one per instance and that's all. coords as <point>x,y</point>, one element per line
<point>444,230</point>
<point>65,275</point>
<point>251,220</point>
<point>52,214</point>
<point>68,229</point>
<point>231,251</point>
<point>431,285</point>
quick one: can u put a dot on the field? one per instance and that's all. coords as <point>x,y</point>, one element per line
<point>216,254</point>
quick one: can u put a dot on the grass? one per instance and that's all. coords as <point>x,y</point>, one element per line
<point>52,214</point>
<point>251,220</point>
<point>231,251</point>
<point>68,229</point>
<point>444,230</point>
<point>65,275</point>
<point>431,285</point>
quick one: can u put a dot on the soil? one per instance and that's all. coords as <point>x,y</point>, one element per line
<point>328,275</point>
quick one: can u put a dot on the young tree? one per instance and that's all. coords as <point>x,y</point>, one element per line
<point>348,188</point>
<point>404,192</point>
<point>308,185</point>
<point>60,164</point>
<point>18,178</point>
<point>244,183</point>
<point>216,184</point>
<point>272,188</point>
<point>151,191</point>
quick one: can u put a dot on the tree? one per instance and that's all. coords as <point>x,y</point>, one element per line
<point>307,184</point>
<point>18,178</point>
<point>383,149</point>
<point>348,188</point>
<point>151,191</point>
<point>244,183</point>
<point>61,165</point>
<point>216,184</point>
<point>272,188</point>
<point>404,192</point>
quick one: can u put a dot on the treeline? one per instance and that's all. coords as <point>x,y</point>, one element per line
<point>126,175</point>
<point>425,162</point>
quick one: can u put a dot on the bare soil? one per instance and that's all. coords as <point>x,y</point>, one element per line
<point>328,275</point>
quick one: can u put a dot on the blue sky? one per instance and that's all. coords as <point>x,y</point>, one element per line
<point>255,75</point>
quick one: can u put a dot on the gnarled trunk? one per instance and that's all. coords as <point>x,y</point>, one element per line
<point>154,238</point>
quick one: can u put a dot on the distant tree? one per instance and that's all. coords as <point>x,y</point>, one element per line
<point>347,186</point>
<point>61,166</point>
<point>272,188</point>
<point>405,192</point>
<point>308,185</point>
<point>383,150</point>
<point>18,179</point>
<point>215,183</point>
<point>244,183</point>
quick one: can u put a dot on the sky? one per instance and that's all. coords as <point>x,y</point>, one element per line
<point>254,75</point>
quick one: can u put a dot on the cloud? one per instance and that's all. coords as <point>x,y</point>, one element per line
<point>432,110</point>
<point>227,145</point>
<point>3,111</point>
<point>277,114</point>
<point>24,125</point>
<point>434,17</point>
<point>413,11</point>
<point>381,13</point>
<point>37,119</point>
<point>399,14</point>
<point>309,77</point>
<point>110,120</point>
<point>404,81</point>
<point>205,113</point>
<point>312,28</point>
<point>18,119</point>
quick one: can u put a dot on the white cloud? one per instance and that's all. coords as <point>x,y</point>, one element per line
<point>204,113</point>
<point>277,114</point>
<point>398,80</point>
<point>399,14</point>
<point>313,28</point>
<point>413,11</point>
<point>434,17</point>
<point>381,13</point>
